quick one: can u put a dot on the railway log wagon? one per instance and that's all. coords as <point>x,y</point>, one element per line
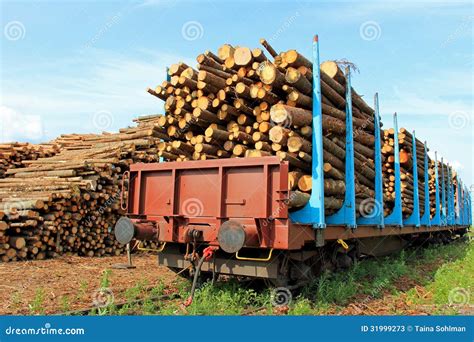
<point>240,216</point>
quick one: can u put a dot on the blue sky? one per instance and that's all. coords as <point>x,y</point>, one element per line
<point>83,66</point>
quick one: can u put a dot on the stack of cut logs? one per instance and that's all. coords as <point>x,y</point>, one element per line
<point>405,141</point>
<point>432,187</point>
<point>388,170</point>
<point>12,154</point>
<point>242,103</point>
<point>432,184</point>
<point>69,203</point>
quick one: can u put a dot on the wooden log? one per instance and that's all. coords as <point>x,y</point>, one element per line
<point>282,114</point>
<point>298,199</point>
<point>242,56</point>
<point>295,59</point>
<point>298,81</point>
<point>293,177</point>
<point>268,47</point>
<point>296,144</point>
<point>269,74</point>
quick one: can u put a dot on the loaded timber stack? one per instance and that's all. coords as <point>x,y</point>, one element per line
<point>15,154</point>
<point>405,143</point>
<point>69,203</point>
<point>405,140</point>
<point>388,170</point>
<point>432,187</point>
<point>242,103</point>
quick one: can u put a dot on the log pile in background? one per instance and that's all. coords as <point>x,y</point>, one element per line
<point>242,103</point>
<point>69,202</point>
<point>13,154</point>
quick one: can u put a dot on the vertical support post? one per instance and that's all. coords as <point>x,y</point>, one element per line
<point>396,216</point>
<point>313,211</point>
<point>436,221</point>
<point>465,206</point>
<point>414,218</point>
<point>347,214</point>
<point>450,205</point>
<point>425,220</point>
<point>443,197</point>
<point>376,217</point>
<point>469,209</point>
<point>459,203</point>
<point>453,194</point>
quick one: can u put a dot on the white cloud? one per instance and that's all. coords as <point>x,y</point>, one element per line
<point>16,126</point>
<point>442,93</point>
<point>67,94</point>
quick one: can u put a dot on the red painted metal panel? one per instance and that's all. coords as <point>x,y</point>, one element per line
<point>156,193</point>
<point>198,192</point>
<point>252,188</point>
<point>183,196</point>
<point>245,192</point>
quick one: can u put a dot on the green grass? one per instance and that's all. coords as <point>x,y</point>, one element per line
<point>37,305</point>
<point>452,287</point>
<point>438,269</point>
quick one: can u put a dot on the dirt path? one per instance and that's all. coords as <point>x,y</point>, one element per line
<point>69,283</point>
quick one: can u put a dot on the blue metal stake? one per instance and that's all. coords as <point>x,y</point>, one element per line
<point>313,211</point>
<point>396,217</point>
<point>451,197</point>
<point>414,218</point>
<point>443,197</point>
<point>458,202</point>
<point>436,220</point>
<point>425,220</point>
<point>347,214</point>
<point>450,214</point>
<point>466,206</point>
<point>376,217</point>
<point>469,208</point>
<point>463,204</point>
